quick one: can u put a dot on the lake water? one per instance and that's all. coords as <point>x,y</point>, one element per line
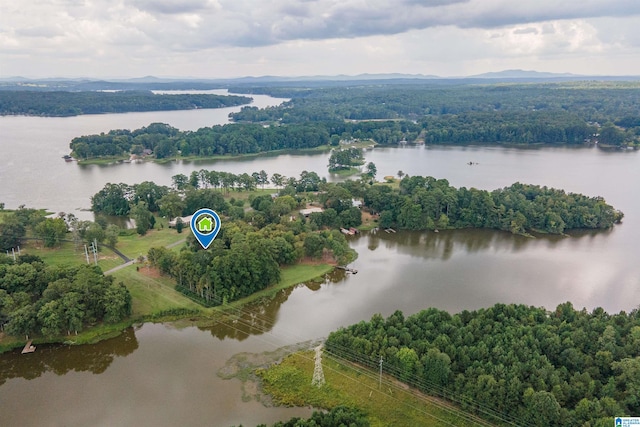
<point>160,375</point>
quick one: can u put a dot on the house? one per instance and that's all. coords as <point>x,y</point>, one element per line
<point>309,211</point>
<point>205,225</point>
<point>185,220</point>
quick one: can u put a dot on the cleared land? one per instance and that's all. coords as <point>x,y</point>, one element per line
<point>393,404</point>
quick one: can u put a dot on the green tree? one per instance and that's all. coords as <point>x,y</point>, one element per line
<point>113,199</point>
<point>51,231</point>
<point>171,205</point>
<point>111,234</point>
<point>371,170</point>
<point>278,180</point>
<point>51,318</point>
<point>117,303</point>
<point>12,231</point>
<point>143,218</point>
<point>94,232</point>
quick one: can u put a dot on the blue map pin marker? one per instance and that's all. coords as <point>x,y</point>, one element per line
<point>205,225</point>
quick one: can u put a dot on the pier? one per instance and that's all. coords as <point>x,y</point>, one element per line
<point>28,347</point>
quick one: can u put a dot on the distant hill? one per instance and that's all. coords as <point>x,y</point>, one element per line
<point>523,74</point>
<point>191,83</point>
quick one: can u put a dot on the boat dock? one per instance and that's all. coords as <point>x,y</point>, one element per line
<point>28,347</point>
<point>347,269</point>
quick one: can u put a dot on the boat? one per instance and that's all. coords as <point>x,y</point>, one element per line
<point>67,158</point>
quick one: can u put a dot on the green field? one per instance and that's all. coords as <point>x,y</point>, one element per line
<point>153,294</point>
<point>393,404</point>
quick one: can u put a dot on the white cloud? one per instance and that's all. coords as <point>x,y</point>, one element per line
<point>296,37</point>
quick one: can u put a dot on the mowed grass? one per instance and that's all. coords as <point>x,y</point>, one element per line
<point>289,383</point>
<point>289,276</point>
<point>68,254</point>
<point>152,295</point>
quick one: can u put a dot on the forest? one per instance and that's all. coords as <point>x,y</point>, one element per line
<point>511,364</point>
<point>463,114</point>
<point>551,113</point>
<point>427,203</point>
<point>63,103</point>
<point>52,300</point>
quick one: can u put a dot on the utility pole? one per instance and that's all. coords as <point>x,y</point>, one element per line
<point>380,381</point>
<point>86,253</point>
<point>95,251</point>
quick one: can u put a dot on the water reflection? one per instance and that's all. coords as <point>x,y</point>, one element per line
<point>61,359</point>
<point>260,317</point>
<point>443,244</point>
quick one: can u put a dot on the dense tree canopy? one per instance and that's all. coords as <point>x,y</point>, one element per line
<point>62,103</point>
<point>427,203</point>
<point>552,113</point>
<point>512,363</point>
<point>336,417</point>
<point>52,300</point>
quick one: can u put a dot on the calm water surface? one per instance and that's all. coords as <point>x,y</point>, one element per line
<point>160,375</point>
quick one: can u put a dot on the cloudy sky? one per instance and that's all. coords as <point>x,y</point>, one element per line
<point>232,38</point>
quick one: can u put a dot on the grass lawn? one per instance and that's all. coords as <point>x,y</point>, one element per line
<point>152,294</point>
<point>289,383</point>
<point>346,172</point>
<point>68,254</point>
<point>135,245</point>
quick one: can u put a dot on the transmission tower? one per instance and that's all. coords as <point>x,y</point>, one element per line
<point>318,374</point>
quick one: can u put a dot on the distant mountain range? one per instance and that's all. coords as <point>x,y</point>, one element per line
<point>524,74</point>
<point>152,82</point>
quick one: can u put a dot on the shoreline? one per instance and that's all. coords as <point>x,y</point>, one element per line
<point>200,315</point>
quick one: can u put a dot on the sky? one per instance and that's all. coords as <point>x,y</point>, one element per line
<point>235,38</point>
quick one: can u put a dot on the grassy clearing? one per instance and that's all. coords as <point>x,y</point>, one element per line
<point>103,160</point>
<point>68,254</point>
<point>135,245</point>
<point>345,172</point>
<point>152,295</point>
<point>289,383</point>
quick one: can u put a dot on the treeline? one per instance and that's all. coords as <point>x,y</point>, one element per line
<point>427,203</point>
<point>63,103</point>
<point>591,102</point>
<point>551,127</point>
<point>336,417</point>
<point>55,300</point>
<point>235,139</point>
<point>511,364</point>
<point>565,113</point>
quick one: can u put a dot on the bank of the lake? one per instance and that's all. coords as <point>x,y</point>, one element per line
<point>155,300</point>
<point>125,159</point>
